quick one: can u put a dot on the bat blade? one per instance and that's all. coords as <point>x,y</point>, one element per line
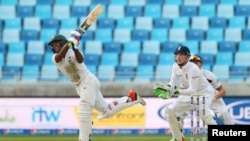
<point>91,18</point>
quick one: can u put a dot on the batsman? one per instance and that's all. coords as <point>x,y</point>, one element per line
<point>69,59</point>
<point>186,79</point>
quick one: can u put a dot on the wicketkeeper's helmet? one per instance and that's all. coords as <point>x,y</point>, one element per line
<point>182,49</point>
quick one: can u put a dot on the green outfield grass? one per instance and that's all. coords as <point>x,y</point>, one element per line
<point>93,138</point>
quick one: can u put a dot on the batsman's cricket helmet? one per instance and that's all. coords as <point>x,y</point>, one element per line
<point>182,49</point>
<point>196,58</point>
<point>57,37</point>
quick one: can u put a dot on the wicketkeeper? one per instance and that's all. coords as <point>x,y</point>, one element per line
<point>186,79</point>
<point>218,105</point>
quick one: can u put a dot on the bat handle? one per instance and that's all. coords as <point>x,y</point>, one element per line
<point>70,44</point>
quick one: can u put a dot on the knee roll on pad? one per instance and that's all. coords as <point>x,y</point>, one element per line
<point>84,110</point>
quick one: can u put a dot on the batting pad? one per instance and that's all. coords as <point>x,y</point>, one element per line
<point>85,120</point>
<point>174,125</point>
<point>122,104</point>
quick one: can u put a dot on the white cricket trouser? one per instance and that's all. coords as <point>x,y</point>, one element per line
<point>89,92</point>
<point>219,106</point>
<point>221,110</point>
<point>90,98</point>
<point>183,105</point>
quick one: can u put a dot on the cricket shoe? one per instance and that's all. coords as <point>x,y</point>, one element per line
<point>134,96</point>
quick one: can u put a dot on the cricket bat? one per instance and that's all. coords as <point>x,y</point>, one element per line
<point>91,18</point>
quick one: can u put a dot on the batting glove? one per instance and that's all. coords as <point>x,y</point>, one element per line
<point>75,37</point>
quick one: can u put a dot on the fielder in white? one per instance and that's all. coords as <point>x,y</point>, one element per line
<point>218,104</point>
<point>186,79</point>
<point>70,61</point>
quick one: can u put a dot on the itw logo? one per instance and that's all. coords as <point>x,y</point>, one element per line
<point>40,114</point>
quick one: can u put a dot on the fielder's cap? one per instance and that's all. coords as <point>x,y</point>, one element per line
<point>57,37</point>
<point>195,58</point>
<point>182,49</point>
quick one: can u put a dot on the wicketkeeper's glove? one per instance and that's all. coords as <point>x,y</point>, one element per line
<point>161,93</point>
<point>164,91</point>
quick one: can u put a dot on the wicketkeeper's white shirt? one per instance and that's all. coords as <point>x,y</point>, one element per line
<point>190,77</point>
